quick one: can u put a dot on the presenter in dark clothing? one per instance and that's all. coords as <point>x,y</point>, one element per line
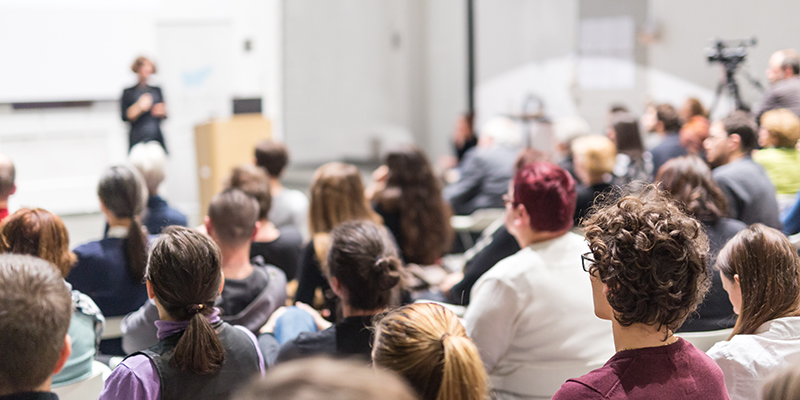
<point>143,106</point>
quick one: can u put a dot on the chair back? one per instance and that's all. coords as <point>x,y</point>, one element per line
<point>705,340</point>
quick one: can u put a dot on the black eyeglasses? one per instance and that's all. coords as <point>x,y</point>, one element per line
<point>587,259</point>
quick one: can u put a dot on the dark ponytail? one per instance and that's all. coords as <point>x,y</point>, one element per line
<point>185,270</point>
<point>124,193</point>
<point>364,260</point>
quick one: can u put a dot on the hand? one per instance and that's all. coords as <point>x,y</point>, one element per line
<point>159,110</point>
<point>269,327</point>
<point>145,102</point>
<point>321,322</point>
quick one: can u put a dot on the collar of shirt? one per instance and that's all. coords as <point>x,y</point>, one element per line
<point>169,328</point>
<point>118,232</point>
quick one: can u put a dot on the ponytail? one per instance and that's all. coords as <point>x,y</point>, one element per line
<point>199,349</point>
<point>137,250</point>
<point>462,370</point>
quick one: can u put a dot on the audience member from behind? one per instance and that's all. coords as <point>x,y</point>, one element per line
<point>41,234</point>
<point>426,344</point>
<point>289,206</point>
<point>408,196</point>
<point>111,270</point>
<point>778,135</point>
<point>695,126</point>
<point>322,378</point>
<point>761,272</point>
<point>365,274</point>
<point>486,169</point>
<point>151,161</point>
<point>782,72</point>
<point>540,291</point>
<point>689,181</point>
<point>566,130</point>
<point>751,195</point>
<point>647,267</point>
<point>198,356</point>
<point>784,385</point>
<point>7,183</point>
<point>595,157</point>
<point>278,247</point>
<point>668,127</point>
<point>337,196</point>
<point>33,327</point>
<point>632,163</point>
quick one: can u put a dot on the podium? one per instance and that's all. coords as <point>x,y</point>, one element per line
<point>223,145</point>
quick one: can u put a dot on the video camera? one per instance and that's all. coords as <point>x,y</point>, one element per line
<point>729,52</point>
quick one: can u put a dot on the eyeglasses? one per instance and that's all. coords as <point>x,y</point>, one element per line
<point>587,259</point>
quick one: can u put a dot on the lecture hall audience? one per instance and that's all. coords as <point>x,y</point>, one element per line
<point>695,126</point>
<point>632,163</point>
<point>595,159</point>
<point>783,73</point>
<point>667,126</point>
<point>289,206</point>
<point>778,136</point>
<point>151,161</point>
<point>647,268</point>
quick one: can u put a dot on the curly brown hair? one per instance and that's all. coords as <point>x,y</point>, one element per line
<point>651,256</point>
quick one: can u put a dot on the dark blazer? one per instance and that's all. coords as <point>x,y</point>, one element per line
<point>160,215</point>
<point>350,338</point>
<point>750,193</point>
<point>485,173</point>
<point>146,127</point>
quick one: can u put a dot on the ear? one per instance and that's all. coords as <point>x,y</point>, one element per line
<point>255,231</point>
<point>521,217</point>
<point>336,286</point>
<point>208,225</point>
<point>64,355</point>
<point>222,282</point>
<point>736,280</point>
<point>659,126</point>
<point>151,294</point>
<point>735,140</point>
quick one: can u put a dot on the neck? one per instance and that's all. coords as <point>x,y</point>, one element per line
<point>267,232</point>
<point>44,387</point>
<point>236,261</point>
<point>275,186</point>
<point>114,221</point>
<point>530,237</point>
<point>4,203</point>
<point>638,336</point>
<point>348,311</point>
<point>737,155</point>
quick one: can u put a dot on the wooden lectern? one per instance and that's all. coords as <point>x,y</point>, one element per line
<point>223,145</point>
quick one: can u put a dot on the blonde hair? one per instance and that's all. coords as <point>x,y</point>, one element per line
<point>597,154</point>
<point>337,195</point>
<point>783,126</point>
<point>426,344</point>
<point>151,160</point>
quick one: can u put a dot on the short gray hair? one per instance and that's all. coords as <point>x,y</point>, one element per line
<point>151,160</point>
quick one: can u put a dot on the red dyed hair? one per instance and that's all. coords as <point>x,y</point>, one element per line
<point>548,193</point>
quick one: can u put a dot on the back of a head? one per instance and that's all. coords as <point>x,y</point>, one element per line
<point>322,378</point>
<point>597,154</point>
<point>233,216</point>
<point>689,180</point>
<point>272,157</point>
<point>151,161</point>
<point>785,385</point>
<point>626,133</point>
<point>666,114</point>
<point>7,176</point>
<point>36,310</point>
<point>695,108</point>
<point>364,260</point>
<point>568,129</point>
<point>651,256</point>
<point>768,269</point>
<point>742,123</point>
<point>427,344</point>
<point>548,193</point>
<point>185,270</point>
<point>503,131</point>
<point>783,126</point>
<point>255,182</point>
<point>790,59</point>
<point>38,233</point>
<point>122,191</point>
<point>337,195</point>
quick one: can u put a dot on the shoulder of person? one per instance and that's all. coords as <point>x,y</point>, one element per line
<point>573,389</point>
<point>89,250</point>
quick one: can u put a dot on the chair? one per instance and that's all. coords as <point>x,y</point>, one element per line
<point>476,222</point>
<point>546,379</point>
<point>87,389</point>
<point>705,340</point>
<point>112,328</point>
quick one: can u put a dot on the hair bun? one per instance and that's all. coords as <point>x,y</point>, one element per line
<point>387,272</point>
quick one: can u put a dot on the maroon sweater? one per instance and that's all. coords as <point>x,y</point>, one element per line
<point>677,371</point>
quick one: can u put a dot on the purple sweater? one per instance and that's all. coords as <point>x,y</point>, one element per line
<point>677,371</point>
<point>136,377</point>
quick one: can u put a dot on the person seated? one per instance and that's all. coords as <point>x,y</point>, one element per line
<point>486,169</point>
<point>33,326</point>
<point>365,273</point>
<point>198,356</point>
<point>778,135</point>
<point>42,234</point>
<point>595,158</point>
<point>7,184</point>
<point>667,126</point>
<point>337,196</point>
<point>110,270</point>
<point>783,73</point>
<point>565,131</point>
<point>151,161</point>
<point>689,181</point>
<point>289,206</point>
<point>278,247</point>
<point>408,197</point>
<point>426,344</point>
<point>539,291</point>
<point>322,378</point>
<point>695,126</point>
<point>647,268</point>
<point>632,162</point>
<point>252,291</point>
<point>760,270</point>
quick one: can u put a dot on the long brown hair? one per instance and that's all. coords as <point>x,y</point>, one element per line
<point>413,190</point>
<point>688,179</point>
<point>122,191</point>
<point>38,233</point>
<point>427,344</point>
<point>337,195</point>
<point>185,270</point>
<point>769,276</point>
